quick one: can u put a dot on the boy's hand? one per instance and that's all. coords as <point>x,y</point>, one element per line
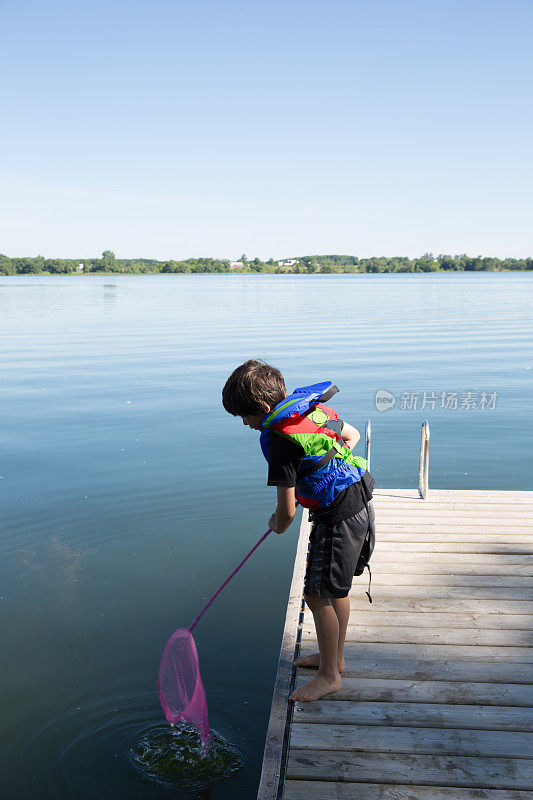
<point>272,523</point>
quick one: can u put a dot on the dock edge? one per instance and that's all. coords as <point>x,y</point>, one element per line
<point>276,743</point>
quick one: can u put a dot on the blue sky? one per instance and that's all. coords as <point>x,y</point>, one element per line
<point>173,129</point>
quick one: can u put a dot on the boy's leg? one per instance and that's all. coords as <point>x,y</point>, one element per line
<point>328,679</point>
<point>341,606</point>
<point>342,610</point>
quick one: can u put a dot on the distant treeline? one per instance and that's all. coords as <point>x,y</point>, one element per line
<point>108,263</point>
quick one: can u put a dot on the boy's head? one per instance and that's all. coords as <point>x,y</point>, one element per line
<point>252,390</point>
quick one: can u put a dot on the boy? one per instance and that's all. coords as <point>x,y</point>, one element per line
<point>309,460</point>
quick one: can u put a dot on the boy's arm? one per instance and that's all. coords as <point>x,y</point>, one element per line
<point>350,435</point>
<point>285,510</point>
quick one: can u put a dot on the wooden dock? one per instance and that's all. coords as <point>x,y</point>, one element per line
<point>436,701</point>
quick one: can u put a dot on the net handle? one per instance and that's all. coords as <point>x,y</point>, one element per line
<point>246,557</point>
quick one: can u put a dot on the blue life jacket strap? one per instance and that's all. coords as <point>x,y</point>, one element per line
<point>329,456</point>
<point>369,582</point>
<point>365,501</point>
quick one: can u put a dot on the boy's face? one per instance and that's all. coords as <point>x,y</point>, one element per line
<point>254,421</point>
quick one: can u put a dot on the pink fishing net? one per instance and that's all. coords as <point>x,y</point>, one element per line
<point>181,691</point>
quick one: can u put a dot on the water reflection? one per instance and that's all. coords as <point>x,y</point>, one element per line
<point>55,563</point>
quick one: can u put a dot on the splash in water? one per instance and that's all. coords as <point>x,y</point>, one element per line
<point>172,757</point>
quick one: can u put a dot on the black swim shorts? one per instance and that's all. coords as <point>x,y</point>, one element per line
<point>334,549</point>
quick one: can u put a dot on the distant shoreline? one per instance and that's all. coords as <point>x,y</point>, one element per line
<point>250,274</point>
<point>109,264</point>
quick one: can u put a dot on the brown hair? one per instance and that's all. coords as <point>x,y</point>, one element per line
<point>253,383</point>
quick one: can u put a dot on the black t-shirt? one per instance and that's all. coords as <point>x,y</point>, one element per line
<point>284,458</point>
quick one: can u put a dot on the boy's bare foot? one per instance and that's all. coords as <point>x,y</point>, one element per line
<point>317,688</point>
<point>313,662</point>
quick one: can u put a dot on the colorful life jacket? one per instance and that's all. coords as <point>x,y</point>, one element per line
<point>328,467</point>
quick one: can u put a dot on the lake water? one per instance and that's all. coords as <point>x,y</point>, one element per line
<point>128,494</point>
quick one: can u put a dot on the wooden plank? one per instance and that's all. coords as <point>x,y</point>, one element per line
<point>379,662</point>
<point>332,711</point>
<point>489,517</point>
<point>456,538</point>
<point>418,505</point>
<point>458,506</point>
<point>411,526</point>
<point>448,567</point>
<point>417,741</point>
<point>446,564</point>
<point>411,522</point>
<point>485,493</point>
<point>461,501</point>
<point>415,509</point>
<point>464,511</point>
<point>417,522</point>
<point>389,556</point>
<point>331,790</point>
<point>514,513</point>
<point>389,521</point>
<point>414,652</point>
<point>371,615</point>
<point>420,593</point>
<point>385,546</point>
<point>404,526</point>
<point>444,602</point>
<point>453,495</point>
<point>412,530</point>
<point>492,515</point>
<point>508,639</point>
<point>402,768</point>
<point>391,690</point>
<point>272,757</point>
<point>394,494</point>
<point>493,524</point>
<point>503,622</point>
<point>432,579</point>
